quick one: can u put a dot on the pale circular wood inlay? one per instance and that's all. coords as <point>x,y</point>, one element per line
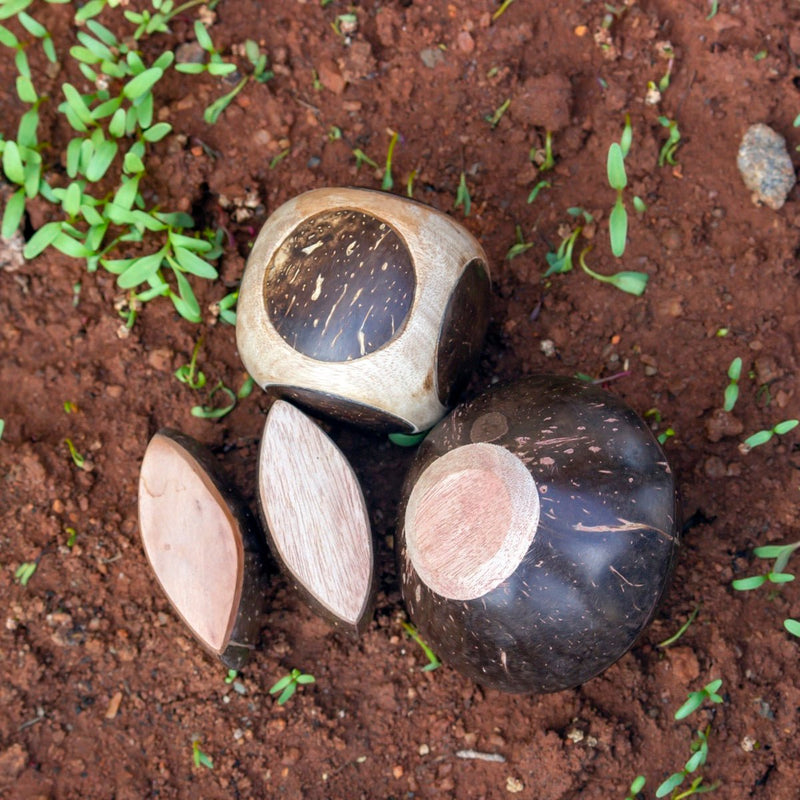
<point>470,520</point>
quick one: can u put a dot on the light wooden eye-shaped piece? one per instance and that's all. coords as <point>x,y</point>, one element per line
<point>537,534</point>
<point>367,307</point>
<point>315,517</point>
<point>205,547</point>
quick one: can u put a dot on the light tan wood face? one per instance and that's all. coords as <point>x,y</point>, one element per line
<point>315,512</point>
<point>470,519</point>
<point>191,541</point>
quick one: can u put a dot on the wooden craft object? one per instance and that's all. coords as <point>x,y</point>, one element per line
<point>315,516</point>
<point>537,534</point>
<point>368,307</point>
<point>204,545</point>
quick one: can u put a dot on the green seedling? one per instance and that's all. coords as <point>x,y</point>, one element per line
<point>714,9</point>
<point>639,205</point>
<point>288,684</point>
<point>760,55</point>
<point>664,435</point>
<point>667,153</point>
<point>433,661</point>
<point>231,676</point>
<point>538,188</point>
<point>519,247</point>
<point>334,133</point>
<point>412,176</point>
<point>388,182</point>
<point>2,427</point>
<point>543,159</point>
<point>667,434</point>
<point>732,389</point>
<point>246,388</point>
<point>631,282</point>
<point>344,24</point>
<point>636,787</point>
<point>362,158</point>
<point>494,119</point>
<point>214,111</point>
<point>72,535</point>
<point>677,635</point>
<point>24,572</point>
<point>762,437</point>
<point>561,260</point>
<point>696,699</point>
<point>463,199</point>
<point>210,411</point>
<point>618,180</point>
<point>226,308</point>
<point>275,160</point>
<point>77,458</point>
<point>777,575</point>
<point>189,374</point>
<point>258,61</point>
<point>501,9</point>
<point>668,53</point>
<point>699,750</point>
<point>215,65</point>
<point>200,758</point>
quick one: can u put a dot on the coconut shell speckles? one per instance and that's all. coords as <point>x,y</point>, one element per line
<point>365,306</point>
<point>340,286</point>
<point>537,594</point>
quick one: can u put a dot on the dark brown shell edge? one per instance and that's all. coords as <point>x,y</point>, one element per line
<point>246,628</point>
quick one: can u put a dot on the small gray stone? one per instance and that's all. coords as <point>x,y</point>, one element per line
<point>431,56</point>
<point>765,166</point>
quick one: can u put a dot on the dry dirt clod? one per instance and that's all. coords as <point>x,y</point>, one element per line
<point>765,166</point>
<point>721,424</point>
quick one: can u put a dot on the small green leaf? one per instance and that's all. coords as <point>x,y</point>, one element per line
<point>185,302</point>
<point>12,163</point>
<point>731,396</point>
<point>190,68</point>
<point>25,90</point>
<point>42,239</point>
<point>748,584</point>
<point>780,577</point>
<point>305,679</point>
<point>101,160</point>
<point>65,244</point>
<point>793,626</point>
<point>757,439</point>
<point>202,36</point>
<point>77,104</point>
<point>627,137</point>
<point>7,37</point>
<point>132,164</point>
<point>786,426</point>
<point>618,228</point>
<point>12,7</point>
<point>195,265</point>
<point>142,83</point>
<point>221,68</point>
<point>140,270</point>
<point>210,412</point>
<point>27,129</point>
<point>12,216</point>
<point>72,199</point>
<point>116,126</point>
<point>674,780</point>
<point>91,9</point>
<point>735,369</point>
<point>639,204</point>
<point>25,572</point>
<point>157,132</point>
<point>615,165</point>
<point>31,25</point>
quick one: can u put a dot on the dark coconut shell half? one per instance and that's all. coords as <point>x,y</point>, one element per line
<point>315,517</point>
<point>537,534</point>
<point>204,545</point>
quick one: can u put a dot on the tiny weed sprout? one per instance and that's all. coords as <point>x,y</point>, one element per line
<point>412,176</point>
<point>225,309</point>
<point>362,158</point>
<point>72,535</point>
<point>77,458</point>
<point>699,750</point>
<point>677,635</point>
<point>210,411</point>
<point>617,179</point>
<point>538,188</point>
<point>2,427</point>
<point>494,119</point>
<point>246,388</point>
<point>636,786</point>
<point>25,572</point>
<point>388,181</point>
<point>199,758</point>
<point>631,282</point>
<point>762,437</point>
<point>667,434</point>
<point>231,675</point>
<point>639,205</point>
<point>667,153</point>
<point>793,626</point>
<point>463,198</point>
<point>275,160</point>
<point>561,260</point>
<point>519,247</point>
<point>288,684</point>
<point>433,661</point>
<point>189,374</point>
<point>714,9</point>
<point>696,699</point>
<point>543,159</point>
<point>732,389</point>
<point>501,9</point>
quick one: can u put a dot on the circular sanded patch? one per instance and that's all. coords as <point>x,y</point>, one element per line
<point>470,519</point>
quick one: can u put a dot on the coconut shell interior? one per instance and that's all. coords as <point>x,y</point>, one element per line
<point>315,516</point>
<point>203,545</point>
